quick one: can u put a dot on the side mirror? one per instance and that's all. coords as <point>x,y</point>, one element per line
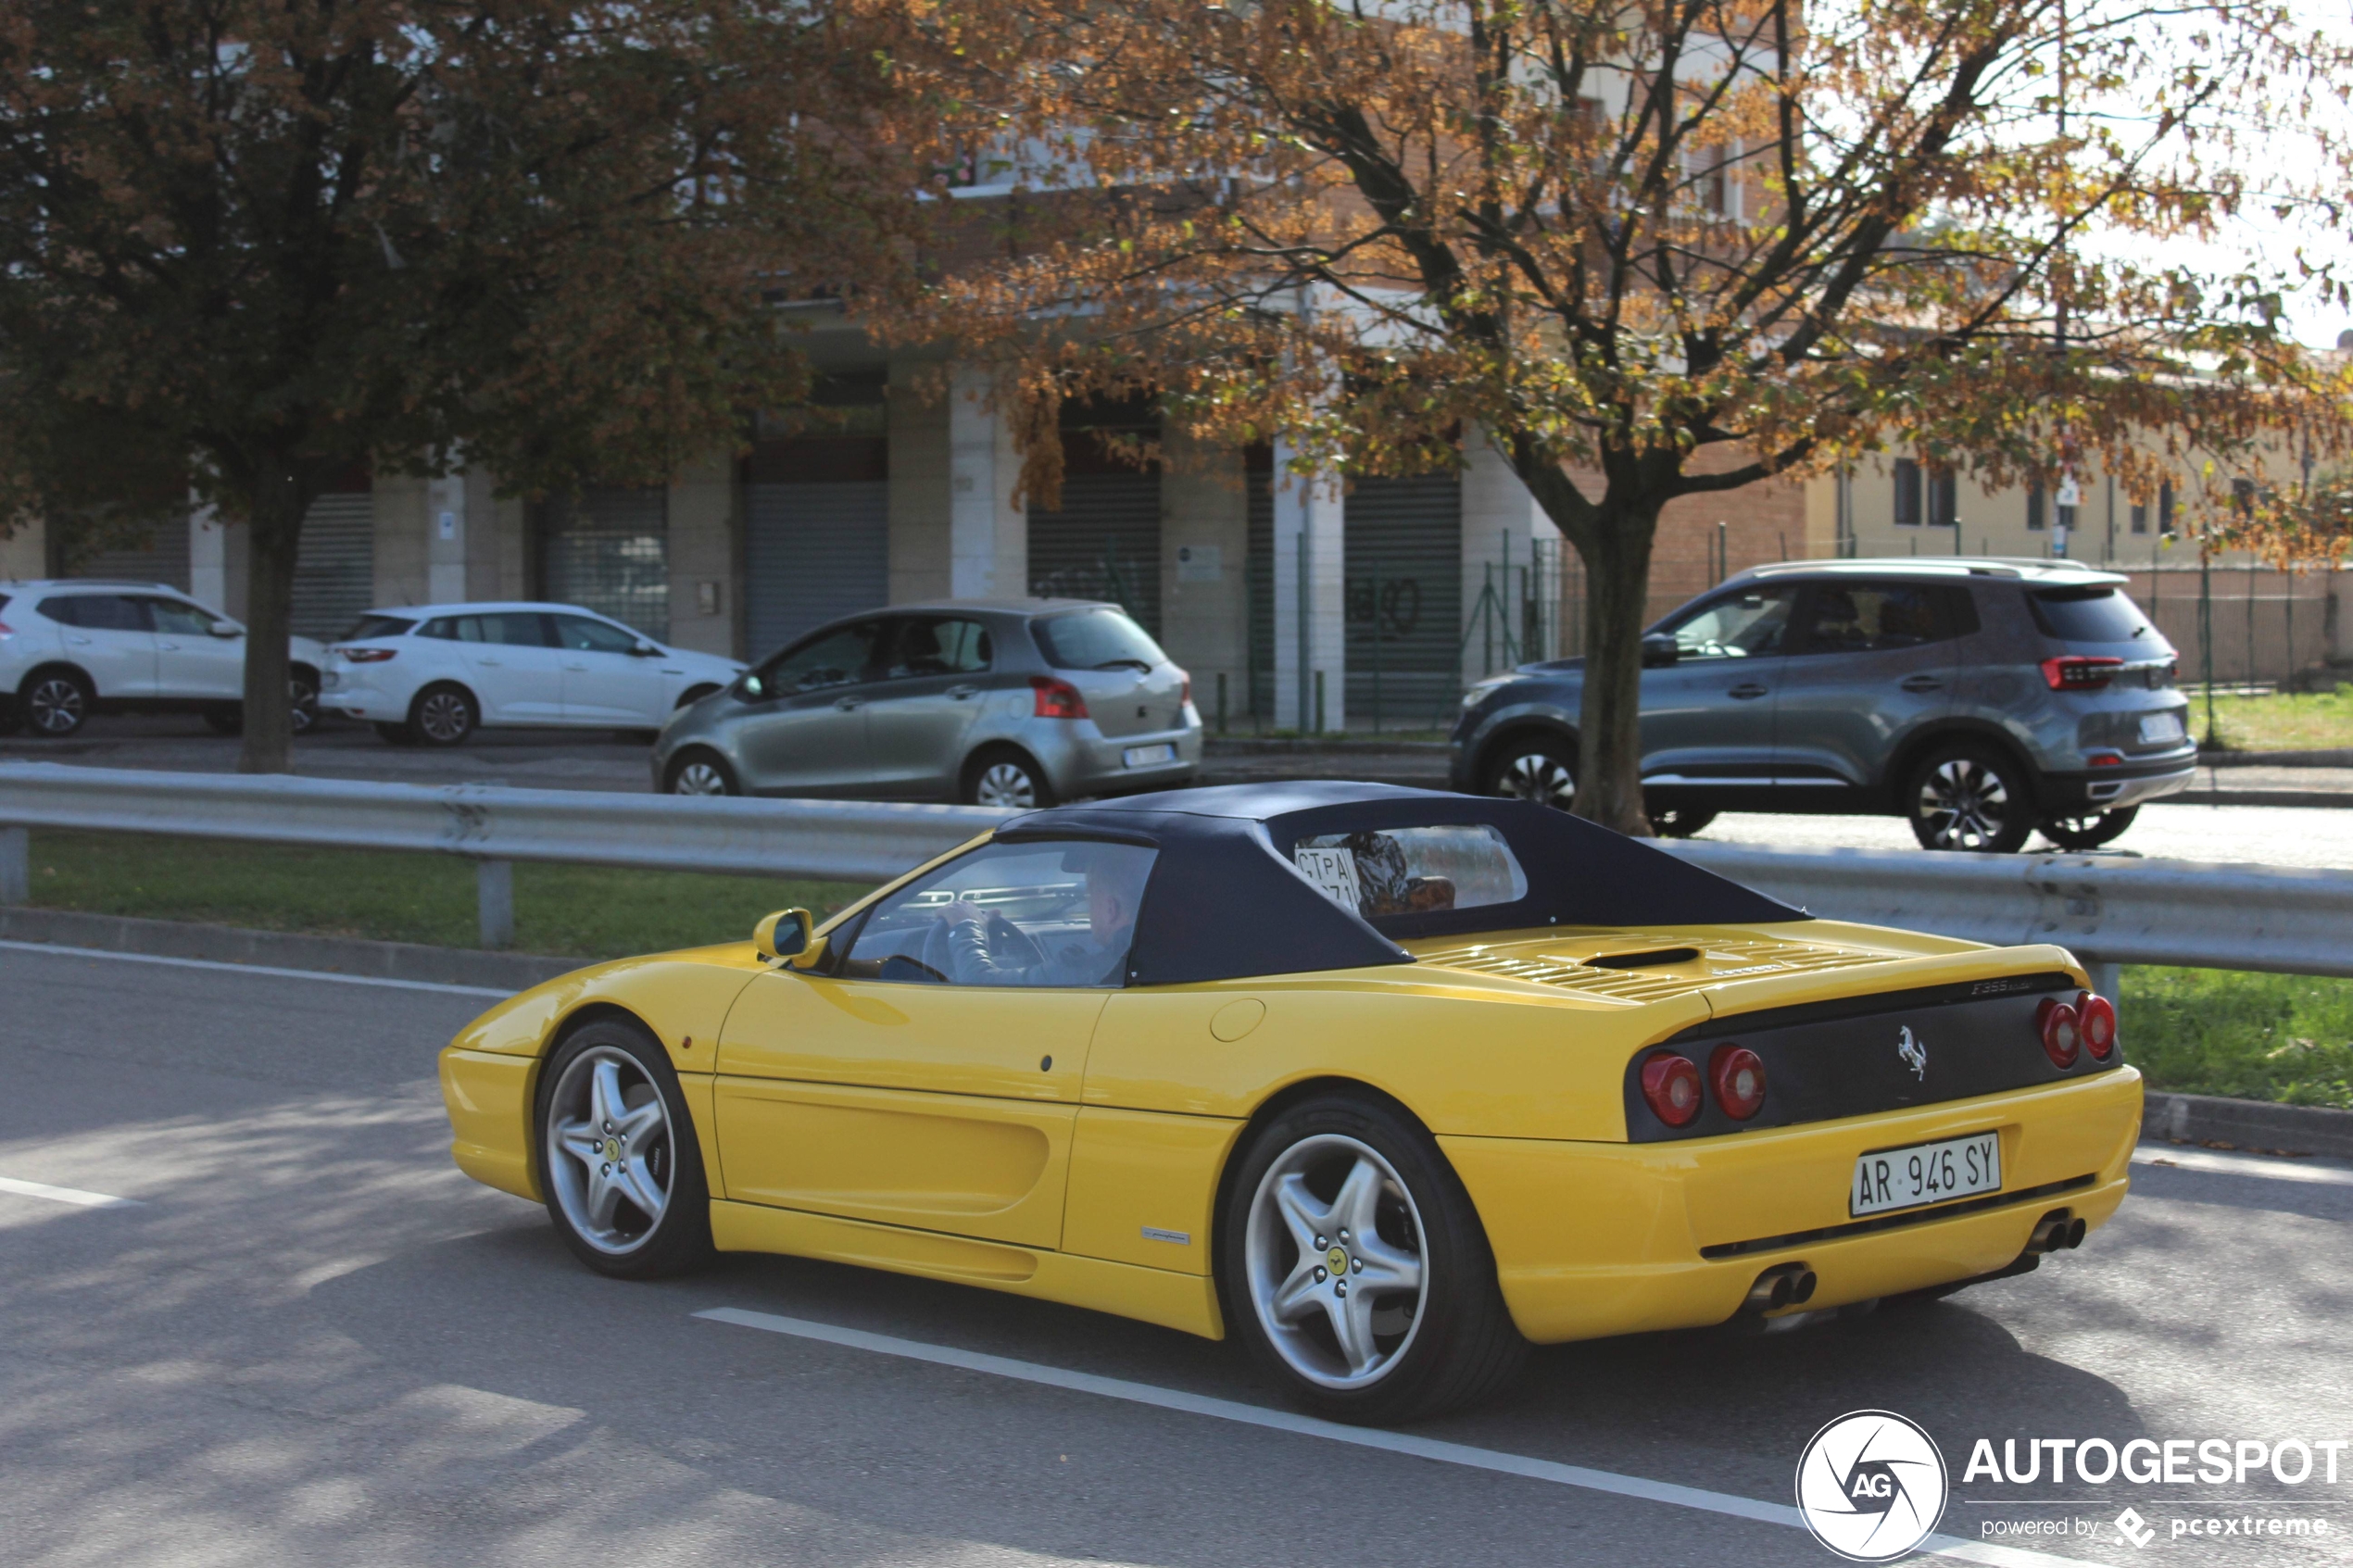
<point>226,629</point>
<point>790,934</point>
<point>750,688</point>
<point>1659,650</point>
<point>645,650</point>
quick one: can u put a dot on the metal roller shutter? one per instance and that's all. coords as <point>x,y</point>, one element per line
<point>161,557</point>
<point>811,552</point>
<point>1405,575</point>
<point>335,565</point>
<point>1104,544</point>
<point>609,551</point>
<point>1260,586</point>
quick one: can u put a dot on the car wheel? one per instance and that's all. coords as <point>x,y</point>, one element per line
<point>1357,1270</point>
<point>1536,768</point>
<point>395,734</point>
<point>1679,821</point>
<point>54,703</point>
<point>225,718</point>
<point>1008,779</point>
<point>702,772</point>
<point>1970,798</point>
<point>2090,829</point>
<point>302,694</point>
<point>619,1162</point>
<point>443,715</point>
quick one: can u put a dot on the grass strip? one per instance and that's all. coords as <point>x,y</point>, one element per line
<point>2287,722</point>
<point>574,912</point>
<point>2285,1037</point>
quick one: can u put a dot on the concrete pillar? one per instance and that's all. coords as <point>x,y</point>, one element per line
<point>24,551</point>
<point>1310,645</point>
<point>988,535</point>
<point>703,600</point>
<point>1204,567</point>
<point>217,562</point>
<point>403,533</point>
<point>918,423</point>
<point>446,538</point>
<point>497,549</point>
<point>1501,525</point>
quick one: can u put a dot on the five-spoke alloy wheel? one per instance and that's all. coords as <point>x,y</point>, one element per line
<point>1356,1269</point>
<point>621,1169</point>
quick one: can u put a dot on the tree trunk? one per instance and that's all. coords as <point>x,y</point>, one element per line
<point>281,498</point>
<point>1616,550</point>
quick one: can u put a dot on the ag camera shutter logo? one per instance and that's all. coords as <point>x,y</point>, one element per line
<point>1871,1486</point>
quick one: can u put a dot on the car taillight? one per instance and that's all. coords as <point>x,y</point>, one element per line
<point>2060,1029</point>
<point>1186,695</point>
<point>367,656</point>
<point>1054,699</point>
<point>2095,1022</point>
<point>1738,1074</point>
<point>1671,1085</point>
<point>2079,671</point>
<point>6,630</point>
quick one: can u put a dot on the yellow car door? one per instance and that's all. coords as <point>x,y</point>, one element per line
<point>914,1084</point>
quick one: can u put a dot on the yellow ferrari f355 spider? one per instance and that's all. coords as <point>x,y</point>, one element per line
<point>1388,1081</point>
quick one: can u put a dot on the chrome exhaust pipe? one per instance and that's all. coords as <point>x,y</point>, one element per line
<point>1784,1284</point>
<point>2056,1232</point>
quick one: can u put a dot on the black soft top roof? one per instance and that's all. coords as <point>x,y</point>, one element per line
<point>1226,901</point>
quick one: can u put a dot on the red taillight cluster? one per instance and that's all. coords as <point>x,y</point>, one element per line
<point>367,656</point>
<point>2079,673</point>
<point>1186,695</point>
<point>2087,1023</point>
<point>1671,1085</point>
<point>1055,698</point>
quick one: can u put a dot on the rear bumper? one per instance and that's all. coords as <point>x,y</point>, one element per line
<point>2112,789</point>
<point>1593,1239</point>
<point>1081,760</point>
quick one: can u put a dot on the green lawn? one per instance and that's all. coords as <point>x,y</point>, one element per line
<point>572,911</point>
<point>2290,722</point>
<point>2250,1037</point>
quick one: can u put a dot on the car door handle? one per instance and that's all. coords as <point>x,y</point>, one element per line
<point>168,647</point>
<point>79,642</point>
<point>576,667</point>
<point>1747,691</point>
<point>961,693</point>
<point>1922,684</point>
<point>488,663</point>
<point>849,704</point>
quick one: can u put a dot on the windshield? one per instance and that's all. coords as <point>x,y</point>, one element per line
<point>1096,639</point>
<point>369,626</point>
<point>2089,615</point>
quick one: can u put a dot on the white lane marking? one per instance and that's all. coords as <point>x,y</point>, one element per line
<point>255,968</point>
<point>65,1195</point>
<point>1359,1436</point>
<point>2217,1163</point>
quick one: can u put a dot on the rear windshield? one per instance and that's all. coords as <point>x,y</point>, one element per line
<point>2088,615</point>
<point>369,626</point>
<point>1413,871</point>
<point>1096,639</point>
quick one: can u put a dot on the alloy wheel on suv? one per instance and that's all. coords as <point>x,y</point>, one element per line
<point>1970,798</point>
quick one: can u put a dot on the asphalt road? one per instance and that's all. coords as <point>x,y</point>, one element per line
<point>311,1341</point>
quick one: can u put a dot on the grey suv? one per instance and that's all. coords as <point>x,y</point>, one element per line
<point>997,703</point>
<point>1980,699</point>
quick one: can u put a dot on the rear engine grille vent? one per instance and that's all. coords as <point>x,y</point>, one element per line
<point>1611,975</point>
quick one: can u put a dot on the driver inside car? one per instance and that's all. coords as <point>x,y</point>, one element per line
<point>1115,888</point>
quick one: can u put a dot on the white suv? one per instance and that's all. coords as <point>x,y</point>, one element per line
<point>73,647</point>
<point>428,674</point>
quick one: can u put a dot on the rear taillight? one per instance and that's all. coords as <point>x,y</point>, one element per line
<point>2095,1023</point>
<point>6,630</point>
<point>1738,1076</point>
<point>2079,671</point>
<point>1186,695</point>
<point>367,656</point>
<point>2060,1029</point>
<point>1670,1083</point>
<point>1053,698</point>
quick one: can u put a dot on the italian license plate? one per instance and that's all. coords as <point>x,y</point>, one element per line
<point>1925,1173</point>
<point>2159,728</point>
<point>1146,756</point>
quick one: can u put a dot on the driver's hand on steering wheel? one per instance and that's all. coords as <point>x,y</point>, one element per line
<point>962,910</point>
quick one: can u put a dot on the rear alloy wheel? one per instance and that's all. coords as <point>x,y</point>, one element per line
<point>1970,798</point>
<point>1539,769</point>
<point>2089,830</point>
<point>54,703</point>
<point>302,694</point>
<point>1356,1268</point>
<point>1007,779</point>
<point>622,1171</point>
<point>442,716</point>
<point>702,774</point>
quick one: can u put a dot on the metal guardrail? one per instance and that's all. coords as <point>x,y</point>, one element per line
<point>2110,910</point>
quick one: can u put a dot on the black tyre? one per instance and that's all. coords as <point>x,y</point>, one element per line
<point>1972,797</point>
<point>618,1161</point>
<point>2091,829</point>
<point>302,696</point>
<point>443,714</point>
<point>1679,821</point>
<point>225,718</point>
<point>394,735</point>
<point>1006,777</point>
<point>1536,767</point>
<point>1355,1267</point>
<point>54,703</point>
<point>700,773</point>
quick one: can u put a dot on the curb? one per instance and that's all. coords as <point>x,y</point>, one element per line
<point>2248,1123</point>
<point>1249,745</point>
<point>281,950</point>
<point>2326,798</point>
<point>2341,757</point>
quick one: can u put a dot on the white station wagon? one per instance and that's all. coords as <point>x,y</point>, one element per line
<point>429,674</point>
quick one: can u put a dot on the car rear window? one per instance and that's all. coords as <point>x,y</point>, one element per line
<point>1096,639</point>
<point>1413,871</point>
<point>2087,615</point>
<point>369,626</point>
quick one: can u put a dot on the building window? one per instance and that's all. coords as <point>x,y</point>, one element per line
<point>2165,509</point>
<point>2140,517</point>
<point>1943,498</point>
<point>1907,493</point>
<point>2036,508</point>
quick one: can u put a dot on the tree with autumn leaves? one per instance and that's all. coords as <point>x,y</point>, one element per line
<point>1646,250</point>
<point>247,244</point>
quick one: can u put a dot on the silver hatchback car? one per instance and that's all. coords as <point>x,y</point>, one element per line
<point>1019,702</point>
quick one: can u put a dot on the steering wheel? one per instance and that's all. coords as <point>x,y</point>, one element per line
<point>1010,943</point>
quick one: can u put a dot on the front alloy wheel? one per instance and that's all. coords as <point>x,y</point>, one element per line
<point>624,1174</point>
<point>1534,772</point>
<point>701,775</point>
